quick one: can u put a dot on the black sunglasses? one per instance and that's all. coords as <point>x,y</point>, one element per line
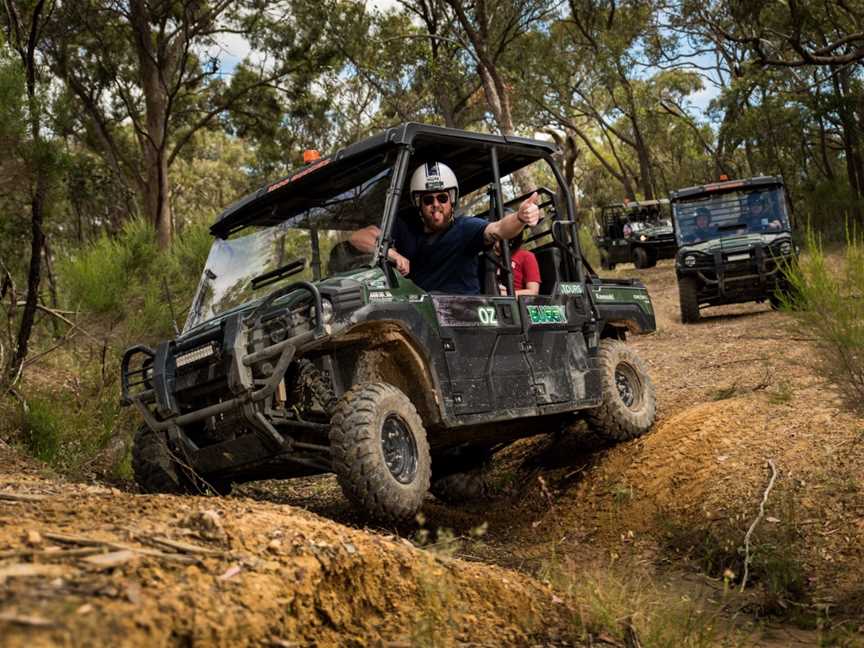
<point>429,199</point>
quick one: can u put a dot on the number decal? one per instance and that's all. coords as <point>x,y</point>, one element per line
<point>487,316</point>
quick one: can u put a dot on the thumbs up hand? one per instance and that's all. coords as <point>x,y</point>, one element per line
<point>528,213</point>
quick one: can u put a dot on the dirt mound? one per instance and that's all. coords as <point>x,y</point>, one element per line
<point>88,564</point>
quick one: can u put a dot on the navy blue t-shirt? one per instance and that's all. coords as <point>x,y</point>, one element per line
<point>445,262</point>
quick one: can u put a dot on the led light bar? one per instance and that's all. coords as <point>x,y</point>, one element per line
<point>195,355</point>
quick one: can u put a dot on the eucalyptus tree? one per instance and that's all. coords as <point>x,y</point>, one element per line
<point>794,90</point>
<point>34,157</point>
<point>149,66</point>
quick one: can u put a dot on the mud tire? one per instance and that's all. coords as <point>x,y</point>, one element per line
<point>652,259</point>
<point>157,471</point>
<point>154,468</point>
<point>312,389</point>
<point>462,487</point>
<point>688,298</point>
<point>616,419</point>
<point>641,258</point>
<point>605,263</point>
<point>390,492</point>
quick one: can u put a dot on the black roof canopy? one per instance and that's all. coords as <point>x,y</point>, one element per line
<point>467,153</point>
<point>722,187</point>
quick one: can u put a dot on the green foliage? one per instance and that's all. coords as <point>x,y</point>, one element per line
<point>827,305</point>
<point>122,278</point>
<point>589,247</point>
<point>777,574</point>
<point>68,432</point>
<point>616,602</point>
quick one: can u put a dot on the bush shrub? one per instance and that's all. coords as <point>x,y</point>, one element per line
<point>121,279</point>
<point>827,304</point>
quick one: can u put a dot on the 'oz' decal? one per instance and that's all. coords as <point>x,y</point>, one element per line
<point>487,316</point>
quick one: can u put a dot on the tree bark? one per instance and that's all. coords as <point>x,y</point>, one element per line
<point>153,142</point>
<point>26,49</point>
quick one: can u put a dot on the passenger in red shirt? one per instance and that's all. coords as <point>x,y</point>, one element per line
<point>526,272</point>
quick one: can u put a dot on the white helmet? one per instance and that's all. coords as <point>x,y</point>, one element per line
<point>434,176</point>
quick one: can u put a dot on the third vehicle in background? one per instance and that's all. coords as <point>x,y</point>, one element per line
<point>638,232</point>
<point>734,239</point>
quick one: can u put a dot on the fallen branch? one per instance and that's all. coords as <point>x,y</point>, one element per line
<point>30,620</point>
<point>182,547</point>
<point>755,522</point>
<point>21,497</point>
<point>47,554</point>
<point>715,365</point>
<point>119,546</point>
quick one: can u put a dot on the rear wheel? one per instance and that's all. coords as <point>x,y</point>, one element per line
<point>380,452</point>
<point>641,258</point>
<point>461,487</point>
<point>688,296</point>
<point>629,402</point>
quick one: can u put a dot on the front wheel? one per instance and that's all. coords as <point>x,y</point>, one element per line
<point>688,296</point>
<point>154,465</point>
<point>605,262</point>
<point>380,452</point>
<point>158,469</point>
<point>641,258</point>
<point>629,402</point>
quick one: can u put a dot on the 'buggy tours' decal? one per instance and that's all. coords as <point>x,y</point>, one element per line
<point>570,288</point>
<point>549,314</point>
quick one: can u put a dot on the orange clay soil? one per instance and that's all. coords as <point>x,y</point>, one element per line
<point>734,392</point>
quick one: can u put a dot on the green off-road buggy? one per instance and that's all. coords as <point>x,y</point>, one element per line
<point>637,232</point>
<point>735,240</point>
<point>302,356</point>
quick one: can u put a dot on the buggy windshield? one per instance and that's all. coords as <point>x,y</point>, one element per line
<point>309,245</point>
<point>744,211</point>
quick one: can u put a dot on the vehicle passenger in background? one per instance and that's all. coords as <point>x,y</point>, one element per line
<point>523,263</point>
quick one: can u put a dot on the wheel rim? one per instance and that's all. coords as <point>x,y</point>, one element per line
<point>399,449</point>
<point>629,386</point>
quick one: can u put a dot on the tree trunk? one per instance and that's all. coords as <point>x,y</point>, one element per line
<point>26,50</point>
<point>645,171</point>
<point>153,142</point>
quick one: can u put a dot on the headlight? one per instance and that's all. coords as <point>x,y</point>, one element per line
<point>642,237</point>
<point>786,247</point>
<point>690,260</point>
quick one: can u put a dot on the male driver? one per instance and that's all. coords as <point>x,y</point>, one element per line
<point>439,253</point>
<point>703,230</point>
<point>759,217</point>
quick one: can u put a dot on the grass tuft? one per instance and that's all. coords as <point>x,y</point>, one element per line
<point>827,304</point>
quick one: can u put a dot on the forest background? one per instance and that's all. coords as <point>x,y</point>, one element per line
<point>126,126</point>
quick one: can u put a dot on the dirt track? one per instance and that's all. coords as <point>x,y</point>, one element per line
<point>734,392</point>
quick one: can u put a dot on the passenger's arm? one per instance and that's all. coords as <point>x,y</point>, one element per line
<point>366,239</point>
<point>531,288</point>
